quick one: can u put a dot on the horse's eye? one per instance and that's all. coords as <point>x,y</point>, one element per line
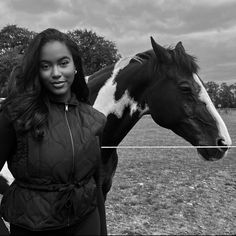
<point>185,88</point>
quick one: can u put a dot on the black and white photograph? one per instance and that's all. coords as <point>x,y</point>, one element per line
<point>117,117</point>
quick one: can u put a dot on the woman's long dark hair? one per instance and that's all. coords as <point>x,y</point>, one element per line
<point>26,103</point>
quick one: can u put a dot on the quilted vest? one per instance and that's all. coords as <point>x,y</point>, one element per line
<point>54,182</point>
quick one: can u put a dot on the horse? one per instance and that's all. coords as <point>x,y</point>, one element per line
<point>164,83</point>
<point>161,82</point>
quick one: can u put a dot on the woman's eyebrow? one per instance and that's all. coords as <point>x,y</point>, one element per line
<point>60,59</point>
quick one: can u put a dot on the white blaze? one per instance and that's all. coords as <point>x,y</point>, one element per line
<point>105,101</point>
<point>204,97</point>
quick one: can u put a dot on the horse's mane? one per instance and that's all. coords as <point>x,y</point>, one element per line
<point>178,57</point>
<point>142,57</point>
<point>183,60</point>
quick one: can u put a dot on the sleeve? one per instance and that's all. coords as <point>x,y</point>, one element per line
<point>100,198</point>
<point>7,138</point>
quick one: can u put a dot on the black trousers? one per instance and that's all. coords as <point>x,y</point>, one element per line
<point>90,226</point>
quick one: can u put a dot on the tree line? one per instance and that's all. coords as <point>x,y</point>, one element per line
<point>96,52</point>
<point>222,95</point>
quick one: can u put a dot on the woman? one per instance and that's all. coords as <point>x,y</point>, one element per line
<point>49,137</point>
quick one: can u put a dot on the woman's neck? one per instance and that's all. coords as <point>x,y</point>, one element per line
<point>64,98</point>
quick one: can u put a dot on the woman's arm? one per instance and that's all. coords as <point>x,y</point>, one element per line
<point>100,199</point>
<point>7,139</point>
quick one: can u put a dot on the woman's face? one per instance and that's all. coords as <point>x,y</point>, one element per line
<point>57,69</point>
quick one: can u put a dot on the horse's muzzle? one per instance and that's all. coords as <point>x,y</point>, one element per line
<point>213,153</point>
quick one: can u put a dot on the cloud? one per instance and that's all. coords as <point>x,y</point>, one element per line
<point>206,28</point>
<point>35,7</point>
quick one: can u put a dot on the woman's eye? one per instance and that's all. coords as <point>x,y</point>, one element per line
<point>44,66</point>
<point>64,63</point>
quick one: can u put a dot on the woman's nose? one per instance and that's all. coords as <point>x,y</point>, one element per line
<point>56,72</point>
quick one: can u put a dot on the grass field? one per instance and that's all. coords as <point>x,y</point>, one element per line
<point>171,191</point>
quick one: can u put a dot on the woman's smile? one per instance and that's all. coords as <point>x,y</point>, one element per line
<point>58,84</point>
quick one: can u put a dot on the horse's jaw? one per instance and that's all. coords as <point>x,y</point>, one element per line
<point>211,149</point>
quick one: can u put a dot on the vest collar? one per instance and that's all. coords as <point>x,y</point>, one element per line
<point>72,101</point>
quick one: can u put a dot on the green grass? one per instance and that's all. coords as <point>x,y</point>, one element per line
<point>171,191</point>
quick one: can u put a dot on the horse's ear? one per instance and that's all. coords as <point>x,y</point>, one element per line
<point>161,53</point>
<point>179,46</point>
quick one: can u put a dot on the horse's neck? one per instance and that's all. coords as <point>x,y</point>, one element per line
<point>114,100</point>
<point>103,83</point>
<point>117,128</point>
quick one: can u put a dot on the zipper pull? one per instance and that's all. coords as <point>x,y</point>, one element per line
<point>66,107</point>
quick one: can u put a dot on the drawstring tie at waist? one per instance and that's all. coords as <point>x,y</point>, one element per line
<point>69,194</point>
<point>65,198</point>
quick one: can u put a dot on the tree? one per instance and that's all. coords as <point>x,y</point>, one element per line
<point>222,95</point>
<point>13,37</point>
<point>13,42</point>
<point>226,96</point>
<point>232,89</point>
<point>7,61</point>
<point>95,51</point>
<point>213,91</point>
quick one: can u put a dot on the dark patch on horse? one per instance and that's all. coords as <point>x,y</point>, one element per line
<point>3,184</point>
<point>132,78</point>
<point>120,127</point>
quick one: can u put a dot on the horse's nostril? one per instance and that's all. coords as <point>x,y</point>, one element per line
<point>222,145</point>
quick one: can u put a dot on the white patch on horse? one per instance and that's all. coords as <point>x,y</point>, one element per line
<point>105,101</point>
<point>86,79</point>
<point>204,97</point>
<point>7,174</point>
<point>126,101</point>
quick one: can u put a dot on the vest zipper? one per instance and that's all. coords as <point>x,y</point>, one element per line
<point>73,149</point>
<point>71,137</point>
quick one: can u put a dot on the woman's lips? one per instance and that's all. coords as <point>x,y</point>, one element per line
<point>58,84</point>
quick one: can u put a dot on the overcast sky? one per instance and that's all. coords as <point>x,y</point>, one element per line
<point>207,28</point>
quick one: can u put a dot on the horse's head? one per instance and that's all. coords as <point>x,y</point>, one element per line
<point>177,100</point>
